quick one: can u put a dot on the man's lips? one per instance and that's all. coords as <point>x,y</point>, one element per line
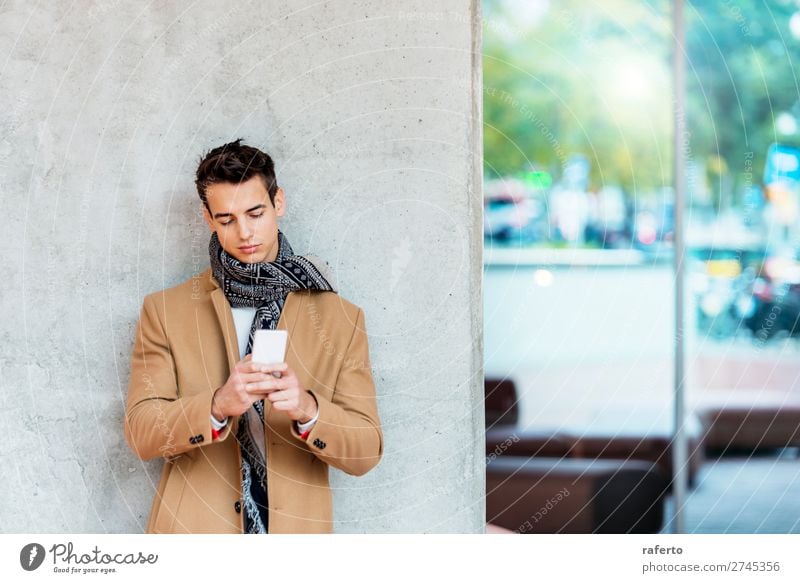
<point>249,248</point>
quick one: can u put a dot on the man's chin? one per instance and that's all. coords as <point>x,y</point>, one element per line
<point>250,257</point>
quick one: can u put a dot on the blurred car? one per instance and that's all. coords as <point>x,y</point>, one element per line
<point>654,227</point>
<point>713,281</point>
<point>508,217</point>
<point>608,226</point>
<point>723,282</point>
<point>768,298</point>
<point>511,213</point>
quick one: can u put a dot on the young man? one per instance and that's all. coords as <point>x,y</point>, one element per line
<point>247,445</point>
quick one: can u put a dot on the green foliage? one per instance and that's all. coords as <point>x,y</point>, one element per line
<point>741,77</point>
<point>595,78</point>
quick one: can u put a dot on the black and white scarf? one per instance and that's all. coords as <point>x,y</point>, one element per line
<point>263,286</point>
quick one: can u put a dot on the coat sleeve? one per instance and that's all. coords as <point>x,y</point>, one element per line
<point>158,420</point>
<point>347,434</point>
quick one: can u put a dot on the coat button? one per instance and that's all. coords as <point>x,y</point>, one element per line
<point>237,506</point>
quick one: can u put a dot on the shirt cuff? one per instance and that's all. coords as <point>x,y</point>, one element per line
<point>218,424</point>
<point>303,427</point>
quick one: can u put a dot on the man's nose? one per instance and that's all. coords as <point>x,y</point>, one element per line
<point>245,230</point>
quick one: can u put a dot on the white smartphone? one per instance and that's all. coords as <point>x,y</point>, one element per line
<point>269,346</point>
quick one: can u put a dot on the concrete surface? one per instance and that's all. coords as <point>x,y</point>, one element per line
<point>743,495</point>
<point>372,111</point>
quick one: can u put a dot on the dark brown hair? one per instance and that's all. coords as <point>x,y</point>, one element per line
<point>235,162</point>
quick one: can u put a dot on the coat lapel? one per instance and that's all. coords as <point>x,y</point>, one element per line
<point>222,309</point>
<point>225,318</point>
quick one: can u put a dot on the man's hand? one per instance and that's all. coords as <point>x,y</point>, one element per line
<point>250,381</point>
<point>287,395</point>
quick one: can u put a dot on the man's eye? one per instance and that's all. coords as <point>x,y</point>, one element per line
<point>226,223</point>
<point>258,215</point>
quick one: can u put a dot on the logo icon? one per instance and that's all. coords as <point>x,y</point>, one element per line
<point>31,556</point>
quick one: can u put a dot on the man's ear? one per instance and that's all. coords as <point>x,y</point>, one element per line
<point>280,202</point>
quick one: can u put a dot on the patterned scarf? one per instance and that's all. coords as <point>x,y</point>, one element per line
<point>263,286</point>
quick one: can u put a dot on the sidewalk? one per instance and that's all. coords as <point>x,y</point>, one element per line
<point>744,495</point>
<point>638,396</point>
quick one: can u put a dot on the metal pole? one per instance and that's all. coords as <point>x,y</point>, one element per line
<point>679,449</point>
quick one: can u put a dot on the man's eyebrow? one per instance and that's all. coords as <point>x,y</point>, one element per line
<point>255,208</point>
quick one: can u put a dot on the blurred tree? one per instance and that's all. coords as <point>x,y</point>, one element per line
<point>580,78</point>
<point>594,78</point>
<point>740,80</point>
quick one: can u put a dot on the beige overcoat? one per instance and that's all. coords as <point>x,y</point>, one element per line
<point>185,346</point>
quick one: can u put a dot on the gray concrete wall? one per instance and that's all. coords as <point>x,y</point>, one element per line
<point>372,111</point>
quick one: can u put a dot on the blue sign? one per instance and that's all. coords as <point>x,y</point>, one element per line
<point>782,164</point>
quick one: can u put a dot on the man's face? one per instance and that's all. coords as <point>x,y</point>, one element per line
<point>244,219</point>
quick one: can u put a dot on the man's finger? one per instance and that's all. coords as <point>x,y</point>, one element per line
<point>255,367</point>
<point>255,377</point>
<point>264,387</point>
<point>277,396</point>
<point>274,367</point>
